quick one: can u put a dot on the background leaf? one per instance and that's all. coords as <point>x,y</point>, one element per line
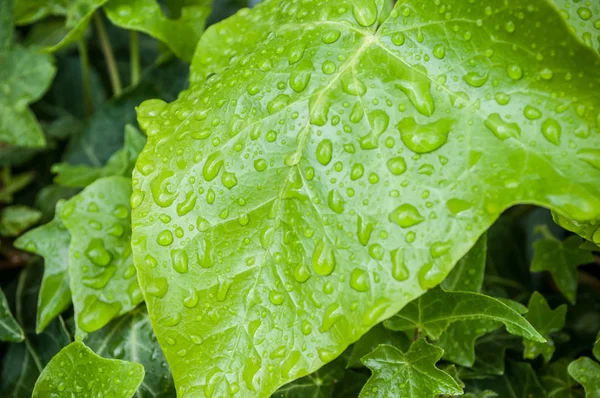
<point>14,220</point>
<point>586,372</point>
<point>545,321</point>
<point>9,328</point>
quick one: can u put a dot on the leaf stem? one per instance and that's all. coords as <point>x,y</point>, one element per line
<point>85,76</point>
<point>135,58</point>
<point>109,56</point>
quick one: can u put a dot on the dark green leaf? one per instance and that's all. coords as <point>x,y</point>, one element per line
<point>50,241</point>
<point>131,338</point>
<point>319,384</point>
<point>582,18</point>
<point>413,374</point>
<point>77,371</point>
<point>587,372</point>
<point>467,275</point>
<point>14,220</point>
<point>546,321</point>
<point>561,259</point>
<point>12,184</point>
<point>376,336</point>
<point>558,383</point>
<point>9,328</point>
<point>519,381</point>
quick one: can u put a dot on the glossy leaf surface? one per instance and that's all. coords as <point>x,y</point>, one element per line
<point>411,375</point>
<point>320,181</point>
<point>9,327</point>
<point>546,321</point>
<point>50,241</point>
<point>101,271</point>
<point>180,32</point>
<point>77,372</point>
<point>587,372</point>
<point>14,220</point>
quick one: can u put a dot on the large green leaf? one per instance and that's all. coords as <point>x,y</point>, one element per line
<point>50,241</point>
<point>77,371</point>
<point>335,168</point>
<point>434,311</point>
<point>411,375</point>
<point>546,321</point>
<point>9,327</point>
<point>561,259</point>
<point>119,164</point>
<point>22,363</point>
<point>24,76</point>
<point>101,271</point>
<point>181,33</point>
<point>131,338</point>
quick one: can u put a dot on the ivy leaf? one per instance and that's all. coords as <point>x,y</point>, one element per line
<point>596,350</point>
<point>181,32</point>
<point>561,259</point>
<point>519,381</point>
<point>327,178</point>
<point>121,163</point>
<point>582,19</point>
<point>13,184</point>
<point>76,370</point>
<point>16,219</point>
<point>490,355</point>
<point>589,230</point>
<point>24,77</point>
<point>411,374</point>
<point>9,327</point>
<point>587,372</point>
<point>22,363</point>
<point>557,382</point>
<point>77,16</point>
<point>434,311</point>
<point>376,336</point>
<point>468,273</point>
<point>50,241</point>
<point>101,271</point>
<point>131,338</point>
<point>546,321</point>
<point>351,385</point>
<point>319,384</point>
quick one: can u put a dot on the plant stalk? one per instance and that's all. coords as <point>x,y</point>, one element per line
<point>135,58</point>
<point>109,56</point>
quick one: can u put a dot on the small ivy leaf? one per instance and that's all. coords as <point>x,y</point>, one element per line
<point>467,275</point>
<point>546,321</point>
<point>557,382</point>
<point>14,220</point>
<point>77,371</point>
<point>132,339</point>
<point>325,179</point>
<point>587,373</point>
<point>596,349</point>
<point>376,336</point>
<point>9,328</point>
<point>121,163</point>
<point>582,19</point>
<point>50,241</point>
<point>103,278</point>
<point>561,259</point>
<point>180,32</point>
<point>319,384</point>
<point>23,362</point>
<point>490,354</point>
<point>9,184</point>
<point>411,374</point>
<point>25,76</point>
<point>589,230</point>
<point>77,16</point>
<point>518,381</point>
<point>434,311</point>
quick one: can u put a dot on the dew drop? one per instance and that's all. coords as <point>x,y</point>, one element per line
<point>324,152</point>
<point>406,216</point>
<point>323,259</point>
<point>424,138</point>
<point>501,129</point>
<point>399,268</point>
<point>552,130</point>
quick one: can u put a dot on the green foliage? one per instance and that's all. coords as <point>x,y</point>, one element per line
<point>410,374</point>
<point>77,371</point>
<point>339,198</point>
<point>342,114</point>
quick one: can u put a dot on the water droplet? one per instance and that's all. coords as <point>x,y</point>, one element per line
<point>301,273</point>
<point>157,287</point>
<point>406,215</point>
<point>165,238</point>
<point>359,280</point>
<point>546,74</point>
<point>213,165</point>
<point>584,13</point>
<point>357,171</point>
<point>306,328</point>
<point>97,253</point>
<point>278,103</point>
<point>502,98</point>
<point>192,300</point>
<point>300,77</point>
<point>430,276</point>
<point>159,186</point>
<point>323,259</point>
<point>276,297</point>
<point>260,165</point>
<point>333,313</point>
<point>509,26</point>
<point>324,152</point>
<point>397,165</point>
<point>365,12</point>
<point>515,72</point>
<point>532,113</point>
<point>438,249</point>
<point>179,259</point>
<point>229,180</point>
<point>417,86</point>
<point>335,201</point>
<point>398,38</point>
<point>439,51</point>
<point>399,269</point>
<point>379,121</point>
<point>424,138</point>
<point>457,206</point>
<point>364,231</point>
<point>331,37</point>
<point>328,67</point>
<point>501,129</point>
<point>476,79</point>
<point>552,130</point>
